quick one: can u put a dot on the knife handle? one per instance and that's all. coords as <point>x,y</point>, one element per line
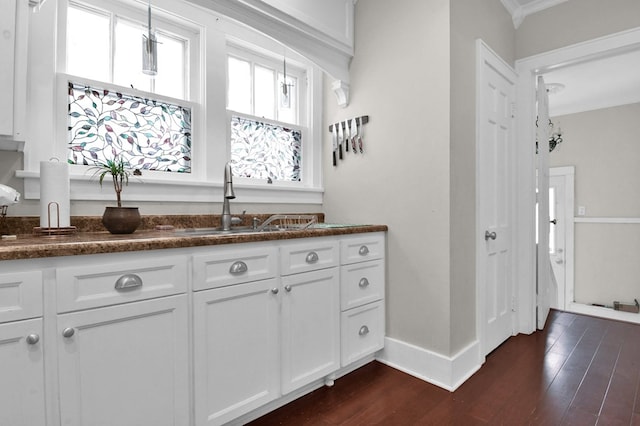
<point>335,160</point>
<point>340,150</point>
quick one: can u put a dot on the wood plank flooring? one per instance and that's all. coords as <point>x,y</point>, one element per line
<point>579,371</point>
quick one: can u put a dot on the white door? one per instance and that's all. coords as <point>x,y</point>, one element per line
<point>125,364</point>
<point>561,232</point>
<point>21,373</point>
<point>496,100</point>
<point>544,263</point>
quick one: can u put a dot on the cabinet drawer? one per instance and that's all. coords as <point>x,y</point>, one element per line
<point>234,266</point>
<point>361,283</point>
<point>361,248</point>
<point>309,256</point>
<point>108,283</point>
<point>20,295</point>
<point>362,332</point>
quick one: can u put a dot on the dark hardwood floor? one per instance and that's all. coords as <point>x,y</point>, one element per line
<point>579,371</point>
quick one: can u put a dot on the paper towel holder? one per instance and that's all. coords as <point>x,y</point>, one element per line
<point>52,231</point>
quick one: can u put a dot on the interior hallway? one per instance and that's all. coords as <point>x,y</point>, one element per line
<point>580,370</point>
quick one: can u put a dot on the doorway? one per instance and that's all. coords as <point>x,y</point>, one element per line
<point>528,69</point>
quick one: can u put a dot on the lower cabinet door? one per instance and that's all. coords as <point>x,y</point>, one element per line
<point>236,344</point>
<point>21,373</point>
<point>310,327</point>
<point>125,364</point>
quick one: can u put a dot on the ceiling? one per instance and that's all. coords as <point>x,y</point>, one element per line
<point>596,84</point>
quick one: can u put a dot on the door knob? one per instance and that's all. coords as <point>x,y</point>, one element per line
<point>554,221</point>
<point>490,235</point>
<point>559,261</point>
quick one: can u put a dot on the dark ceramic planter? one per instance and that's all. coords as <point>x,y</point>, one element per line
<point>121,220</point>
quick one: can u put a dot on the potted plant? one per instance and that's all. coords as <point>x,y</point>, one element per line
<point>118,220</point>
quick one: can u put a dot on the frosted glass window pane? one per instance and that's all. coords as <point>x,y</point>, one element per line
<point>239,88</point>
<point>147,134</point>
<point>88,44</point>
<point>170,80</point>
<point>264,93</point>
<point>265,151</point>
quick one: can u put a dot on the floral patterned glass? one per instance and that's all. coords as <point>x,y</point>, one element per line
<point>265,151</point>
<point>147,134</point>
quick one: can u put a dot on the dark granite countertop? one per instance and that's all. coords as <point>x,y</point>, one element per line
<point>30,246</point>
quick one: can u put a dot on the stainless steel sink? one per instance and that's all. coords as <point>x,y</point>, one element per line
<point>213,231</point>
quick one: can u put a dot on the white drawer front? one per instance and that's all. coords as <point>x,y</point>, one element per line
<point>20,295</point>
<point>362,332</point>
<point>363,247</point>
<point>309,256</point>
<point>94,284</point>
<point>235,265</point>
<point>361,283</point>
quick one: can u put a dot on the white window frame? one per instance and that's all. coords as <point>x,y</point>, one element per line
<point>210,123</point>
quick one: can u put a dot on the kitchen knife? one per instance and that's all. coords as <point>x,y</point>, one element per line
<point>334,140</point>
<point>340,137</point>
<point>354,134</point>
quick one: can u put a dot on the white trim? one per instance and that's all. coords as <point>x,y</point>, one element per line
<point>621,220</point>
<point>445,372</point>
<point>519,12</point>
<point>602,312</point>
<point>528,69</point>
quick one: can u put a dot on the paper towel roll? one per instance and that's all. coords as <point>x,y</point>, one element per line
<point>54,188</point>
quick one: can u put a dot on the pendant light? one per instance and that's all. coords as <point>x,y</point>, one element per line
<point>149,49</point>
<point>285,95</point>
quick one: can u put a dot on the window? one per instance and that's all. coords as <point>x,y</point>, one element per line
<point>105,46</point>
<point>109,120</point>
<point>266,127</point>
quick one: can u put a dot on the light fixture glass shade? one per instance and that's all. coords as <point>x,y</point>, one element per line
<point>285,99</point>
<point>149,54</point>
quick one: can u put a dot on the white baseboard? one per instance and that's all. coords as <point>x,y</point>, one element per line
<point>445,372</point>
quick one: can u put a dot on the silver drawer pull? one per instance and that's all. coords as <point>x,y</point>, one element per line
<point>32,339</point>
<point>363,283</point>
<point>288,288</point>
<point>238,267</point>
<point>275,290</point>
<point>312,257</point>
<point>364,250</point>
<point>128,281</point>
<point>364,330</point>
<point>68,332</point>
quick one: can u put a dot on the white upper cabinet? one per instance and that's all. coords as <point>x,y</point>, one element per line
<point>13,72</point>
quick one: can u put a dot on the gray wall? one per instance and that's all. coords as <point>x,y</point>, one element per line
<point>603,146</point>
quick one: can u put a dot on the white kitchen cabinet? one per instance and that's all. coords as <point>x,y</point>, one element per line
<point>22,400</point>
<point>362,290</point>
<point>125,364</point>
<point>13,72</point>
<point>122,340</point>
<point>236,350</point>
<point>310,327</point>
<point>22,396</point>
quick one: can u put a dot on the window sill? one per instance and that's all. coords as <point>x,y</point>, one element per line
<point>159,190</point>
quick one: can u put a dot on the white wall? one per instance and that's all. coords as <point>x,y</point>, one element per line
<point>603,146</point>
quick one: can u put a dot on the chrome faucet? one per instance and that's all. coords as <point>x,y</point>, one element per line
<point>228,195</point>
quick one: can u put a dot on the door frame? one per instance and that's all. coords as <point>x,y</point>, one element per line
<point>528,69</point>
<point>486,57</point>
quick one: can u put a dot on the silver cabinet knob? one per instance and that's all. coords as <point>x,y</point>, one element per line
<point>312,257</point>
<point>364,330</point>
<point>363,251</point>
<point>68,332</point>
<point>238,267</point>
<point>363,283</point>
<point>275,290</point>
<point>32,339</point>
<point>559,261</point>
<point>288,288</point>
<point>490,235</point>
<point>128,281</point>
